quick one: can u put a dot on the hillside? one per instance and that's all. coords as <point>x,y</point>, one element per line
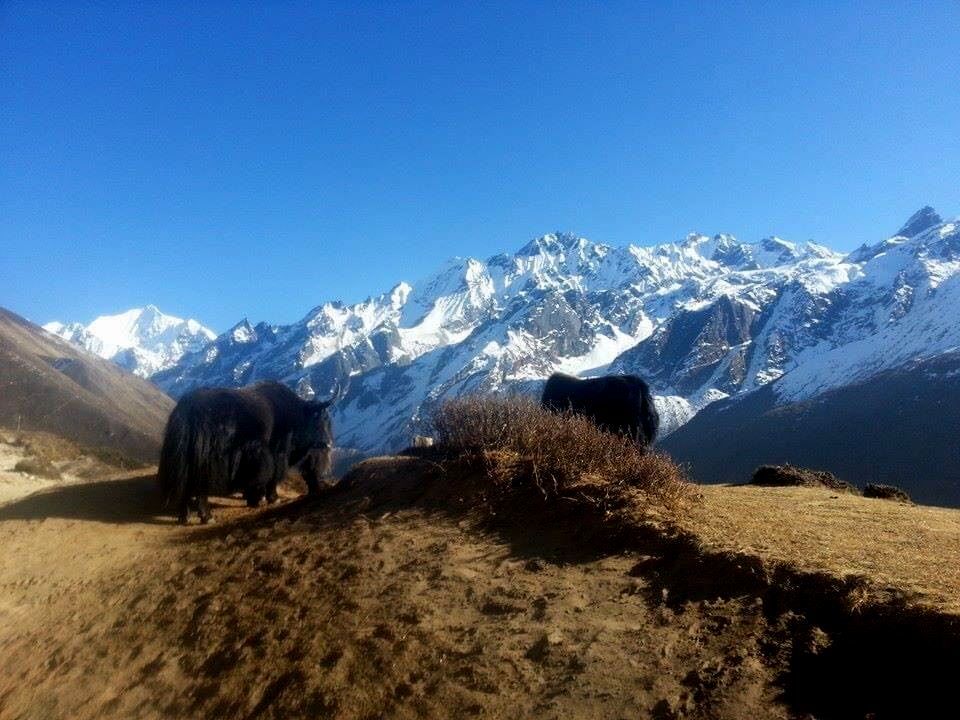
<point>900,427</point>
<point>400,594</point>
<point>49,385</point>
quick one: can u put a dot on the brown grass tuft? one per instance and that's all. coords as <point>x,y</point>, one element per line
<point>565,456</point>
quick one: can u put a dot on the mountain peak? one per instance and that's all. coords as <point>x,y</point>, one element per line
<point>242,332</point>
<point>551,242</point>
<point>142,339</point>
<point>923,219</point>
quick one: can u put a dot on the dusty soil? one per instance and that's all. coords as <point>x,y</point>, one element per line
<point>394,597</point>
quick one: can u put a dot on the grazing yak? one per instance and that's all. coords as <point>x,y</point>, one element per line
<point>616,403</point>
<point>219,441</point>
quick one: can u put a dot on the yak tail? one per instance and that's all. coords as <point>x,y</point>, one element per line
<point>177,459</point>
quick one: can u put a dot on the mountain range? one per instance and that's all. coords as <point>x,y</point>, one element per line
<point>704,319</point>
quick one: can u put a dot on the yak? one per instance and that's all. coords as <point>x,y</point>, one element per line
<point>219,441</point>
<point>616,403</point>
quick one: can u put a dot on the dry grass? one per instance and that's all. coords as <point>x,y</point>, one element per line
<point>40,467</point>
<point>562,455</point>
<point>53,448</point>
<point>910,551</point>
<point>51,456</point>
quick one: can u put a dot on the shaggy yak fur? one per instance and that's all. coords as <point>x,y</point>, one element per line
<point>616,403</point>
<point>219,441</point>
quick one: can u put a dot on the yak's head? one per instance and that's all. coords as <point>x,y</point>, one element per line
<point>315,438</point>
<point>316,431</point>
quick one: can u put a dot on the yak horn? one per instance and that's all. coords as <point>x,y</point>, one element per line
<point>338,393</point>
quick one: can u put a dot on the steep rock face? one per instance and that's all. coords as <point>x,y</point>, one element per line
<point>924,219</point>
<point>143,340</point>
<point>687,350</point>
<point>702,319</point>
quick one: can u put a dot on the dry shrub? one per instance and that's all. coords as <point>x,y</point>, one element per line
<point>886,492</point>
<point>40,467</point>
<point>563,455</point>
<point>790,476</point>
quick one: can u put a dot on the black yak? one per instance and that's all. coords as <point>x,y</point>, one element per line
<point>219,441</point>
<point>616,403</point>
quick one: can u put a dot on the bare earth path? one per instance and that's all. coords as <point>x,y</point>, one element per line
<point>370,602</point>
<point>339,611</point>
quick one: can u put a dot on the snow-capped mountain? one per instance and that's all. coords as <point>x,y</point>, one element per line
<point>702,319</point>
<point>142,340</point>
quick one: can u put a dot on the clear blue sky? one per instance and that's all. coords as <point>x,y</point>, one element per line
<point>224,160</point>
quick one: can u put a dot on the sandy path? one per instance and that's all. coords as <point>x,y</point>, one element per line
<point>71,551</point>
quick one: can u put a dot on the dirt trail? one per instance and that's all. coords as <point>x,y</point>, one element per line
<point>342,609</point>
<point>374,601</point>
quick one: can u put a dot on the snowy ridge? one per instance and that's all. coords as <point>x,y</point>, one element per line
<point>702,319</point>
<point>909,302</point>
<point>142,340</point>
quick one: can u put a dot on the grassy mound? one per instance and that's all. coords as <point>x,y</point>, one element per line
<point>563,457</point>
<point>790,476</point>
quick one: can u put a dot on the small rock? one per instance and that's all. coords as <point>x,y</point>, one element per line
<point>535,565</point>
<point>539,650</point>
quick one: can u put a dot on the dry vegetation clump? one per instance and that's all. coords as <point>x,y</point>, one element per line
<point>40,467</point>
<point>790,476</point>
<point>562,455</point>
<point>886,492</point>
<point>51,456</point>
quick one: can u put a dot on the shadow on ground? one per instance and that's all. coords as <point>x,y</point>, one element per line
<point>127,500</point>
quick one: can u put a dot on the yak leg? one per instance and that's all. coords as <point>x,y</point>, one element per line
<point>314,467</point>
<point>203,510</point>
<point>279,458</point>
<point>252,495</point>
<point>272,492</point>
<point>279,471</point>
<point>188,504</point>
<point>256,473</point>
